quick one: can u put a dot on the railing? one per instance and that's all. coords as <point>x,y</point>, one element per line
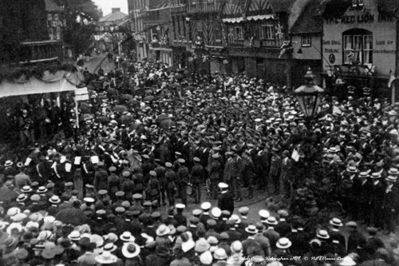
<point>42,51</point>
<point>196,6</point>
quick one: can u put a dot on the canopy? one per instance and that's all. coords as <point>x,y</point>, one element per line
<point>57,82</point>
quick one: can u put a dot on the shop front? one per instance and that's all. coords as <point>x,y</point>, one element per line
<point>360,46</point>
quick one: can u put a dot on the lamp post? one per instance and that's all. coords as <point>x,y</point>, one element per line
<point>309,97</point>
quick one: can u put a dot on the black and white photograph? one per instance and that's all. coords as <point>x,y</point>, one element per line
<point>199,132</point>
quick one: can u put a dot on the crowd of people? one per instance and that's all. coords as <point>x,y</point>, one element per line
<point>150,136</point>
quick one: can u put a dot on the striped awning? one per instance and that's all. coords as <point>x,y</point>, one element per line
<point>241,19</point>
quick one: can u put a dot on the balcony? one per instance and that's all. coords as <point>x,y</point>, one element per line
<point>41,51</point>
<point>197,6</point>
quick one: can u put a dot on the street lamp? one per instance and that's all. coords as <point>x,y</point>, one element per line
<point>309,96</point>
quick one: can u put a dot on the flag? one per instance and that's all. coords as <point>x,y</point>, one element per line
<point>391,78</point>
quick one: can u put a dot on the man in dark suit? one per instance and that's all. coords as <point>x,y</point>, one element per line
<point>390,204</point>
<point>226,199</point>
<point>335,234</point>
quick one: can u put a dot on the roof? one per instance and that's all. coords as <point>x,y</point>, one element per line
<point>334,8</point>
<point>118,15</point>
<point>282,6</point>
<point>52,7</point>
<point>309,21</point>
<point>388,5</point>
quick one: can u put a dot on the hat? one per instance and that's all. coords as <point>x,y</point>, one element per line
<point>212,240</point>
<point>220,254</point>
<point>372,230</point>
<point>216,212</point>
<point>182,161</point>
<point>153,173</point>
<point>201,245</point>
<point>351,224</point>
<point>168,165</point>
<point>109,247</point>
<point>180,206</point>
<point>8,163</point>
<point>236,246</point>
<point>50,185</point>
<point>162,230</point>
<point>347,261</point>
<point>13,211</point>
<point>216,156</point>
<point>336,222</point>
<point>244,210</point>
<point>264,214</point>
<point>197,212</point>
<point>48,253</point>
<point>41,190</point>
<point>392,178</point>
<point>251,229</point>
<point>26,189</point>
<point>127,237</point>
<point>137,196</point>
<point>282,213</point>
<point>106,258</point>
<point>119,193</point>
<point>55,199</point>
<point>223,185</point>
<point>196,159</point>
<point>22,197</point>
<point>206,206</point>
<point>283,243</point>
<point>112,169</point>
<point>235,218</point>
<point>130,250</point>
<point>322,234</point>
<point>206,258</point>
<point>271,220</point>
<point>89,200</point>
<point>74,236</point>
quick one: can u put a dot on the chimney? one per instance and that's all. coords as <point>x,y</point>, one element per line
<point>116,9</point>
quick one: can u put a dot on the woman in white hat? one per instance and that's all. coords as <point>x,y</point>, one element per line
<point>130,252</point>
<point>106,258</point>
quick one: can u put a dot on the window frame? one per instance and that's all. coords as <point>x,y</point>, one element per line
<point>306,44</point>
<point>359,42</point>
<point>264,31</point>
<point>236,37</point>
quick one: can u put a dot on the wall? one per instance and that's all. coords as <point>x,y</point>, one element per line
<point>382,28</point>
<point>312,52</point>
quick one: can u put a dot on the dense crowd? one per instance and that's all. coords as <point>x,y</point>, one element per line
<point>149,135</point>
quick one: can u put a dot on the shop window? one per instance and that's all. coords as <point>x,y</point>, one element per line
<point>358,47</point>
<point>306,41</point>
<point>267,31</point>
<point>238,33</point>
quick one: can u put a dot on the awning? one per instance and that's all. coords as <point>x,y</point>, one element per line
<point>254,18</point>
<point>57,82</point>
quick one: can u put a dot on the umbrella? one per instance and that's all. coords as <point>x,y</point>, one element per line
<point>119,108</point>
<point>148,98</point>
<point>7,194</point>
<point>72,216</point>
<point>126,97</point>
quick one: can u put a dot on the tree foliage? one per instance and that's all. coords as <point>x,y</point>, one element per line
<point>79,16</point>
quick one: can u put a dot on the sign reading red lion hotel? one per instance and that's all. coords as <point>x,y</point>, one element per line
<point>362,36</point>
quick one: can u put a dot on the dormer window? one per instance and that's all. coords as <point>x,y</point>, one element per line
<point>357,4</point>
